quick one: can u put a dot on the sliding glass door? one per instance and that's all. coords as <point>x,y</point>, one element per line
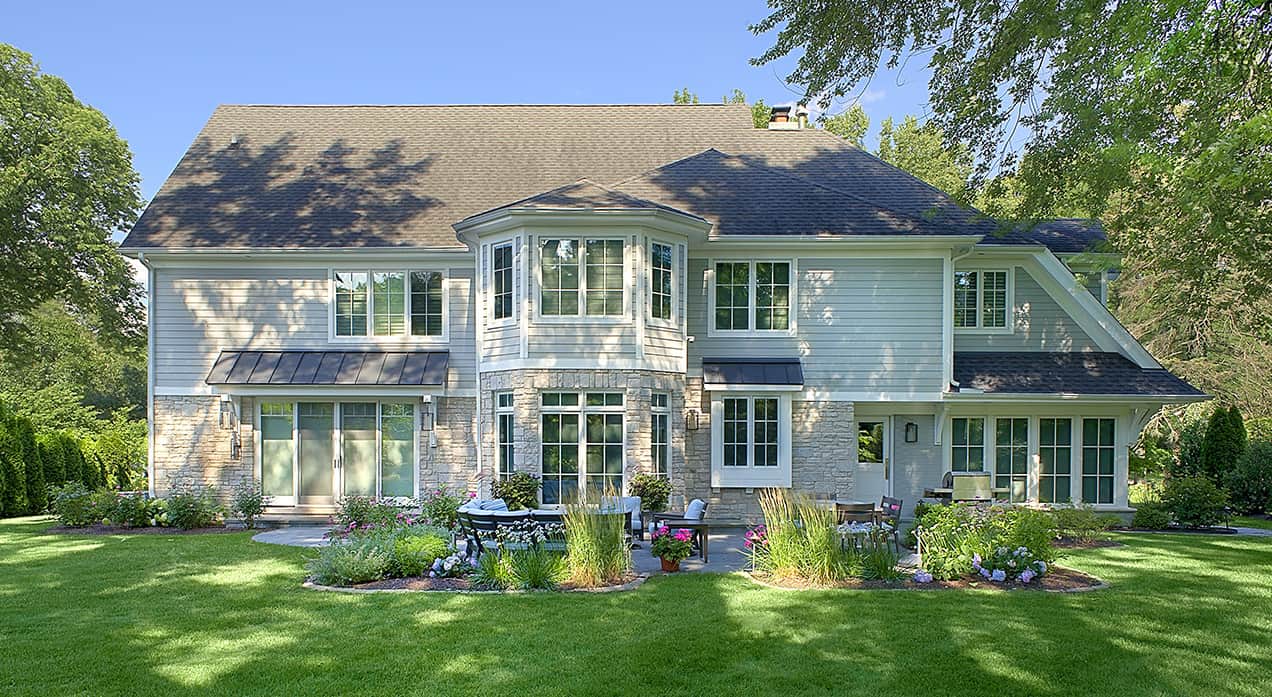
<point>317,460</point>
<point>358,446</point>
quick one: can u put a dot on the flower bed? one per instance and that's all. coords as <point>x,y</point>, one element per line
<point>991,543</point>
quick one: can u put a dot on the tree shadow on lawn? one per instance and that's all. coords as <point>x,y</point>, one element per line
<point>224,615</point>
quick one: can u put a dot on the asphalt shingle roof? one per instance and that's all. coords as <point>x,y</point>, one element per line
<point>1078,373</point>
<point>585,195</point>
<point>385,176</point>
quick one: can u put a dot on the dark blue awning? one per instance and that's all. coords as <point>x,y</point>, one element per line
<point>752,371</point>
<point>395,368</point>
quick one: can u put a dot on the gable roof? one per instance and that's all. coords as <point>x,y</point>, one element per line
<point>583,195</point>
<point>1076,373</point>
<point>391,176</point>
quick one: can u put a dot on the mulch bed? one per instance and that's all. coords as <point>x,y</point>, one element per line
<point>99,529</point>
<point>1058,579</point>
<point>1188,531</point>
<point>424,583</point>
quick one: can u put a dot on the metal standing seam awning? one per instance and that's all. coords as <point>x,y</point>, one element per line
<point>329,368</point>
<point>773,373</point>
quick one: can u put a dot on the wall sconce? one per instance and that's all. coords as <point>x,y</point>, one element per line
<point>691,420</point>
<point>228,418</point>
<point>426,414</point>
<point>911,432</point>
<point>236,447</point>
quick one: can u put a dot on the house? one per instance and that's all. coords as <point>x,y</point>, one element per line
<point>382,299</point>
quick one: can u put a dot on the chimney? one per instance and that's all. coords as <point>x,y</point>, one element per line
<point>801,116</point>
<point>780,119</point>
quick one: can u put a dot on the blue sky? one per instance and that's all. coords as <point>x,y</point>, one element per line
<point>157,70</point>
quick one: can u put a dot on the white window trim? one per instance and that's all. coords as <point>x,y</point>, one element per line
<point>792,299</point>
<point>1010,326</point>
<point>369,337</point>
<point>625,317</point>
<point>500,412</point>
<point>751,476</point>
<point>673,321</point>
<point>337,479</point>
<point>663,411</point>
<point>491,321</point>
<point>582,410</point>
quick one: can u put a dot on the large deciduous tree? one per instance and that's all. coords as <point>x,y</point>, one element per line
<point>66,184</point>
<point>920,149</point>
<point>1154,115</point>
<point>850,124</point>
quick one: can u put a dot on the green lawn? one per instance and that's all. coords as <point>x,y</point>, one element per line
<point>1248,522</point>
<point>220,614</point>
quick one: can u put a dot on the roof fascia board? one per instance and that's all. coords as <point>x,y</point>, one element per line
<point>912,243</point>
<point>1095,319</point>
<point>1052,397</point>
<point>165,254</point>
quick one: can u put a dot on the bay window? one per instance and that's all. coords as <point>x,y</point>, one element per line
<point>660,433</point>
<point>583,442</point>
<point>752,296</point>
<point>504,421</point>
<point>582,276</point>
<point>388,303</point>
<point>661,295</point>
<point>501,282</point>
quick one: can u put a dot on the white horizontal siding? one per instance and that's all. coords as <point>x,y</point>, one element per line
<point>863,325</point>
<point>1039,324</point>
<point>201,312</point>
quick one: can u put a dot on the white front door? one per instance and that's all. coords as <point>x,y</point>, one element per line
<point>874,445</point>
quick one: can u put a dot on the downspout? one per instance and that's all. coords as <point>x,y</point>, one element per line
<point>948,329</point>
<point>150,374</point>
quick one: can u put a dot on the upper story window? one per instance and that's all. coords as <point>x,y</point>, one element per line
<point>582,276</point>
<point>752,296</point>
<point>980,299</point>
<point>501,282</point>
<point>389,303</point>
<point>660,281</point>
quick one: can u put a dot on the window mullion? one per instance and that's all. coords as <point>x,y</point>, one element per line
<point>752,289</point>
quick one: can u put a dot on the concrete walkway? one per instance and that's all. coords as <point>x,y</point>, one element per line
<point>294,536</point>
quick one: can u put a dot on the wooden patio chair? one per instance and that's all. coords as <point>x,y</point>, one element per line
<point>854,513</point>
<point>892,516</point>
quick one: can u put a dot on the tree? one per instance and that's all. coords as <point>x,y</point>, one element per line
<point>1155,116</point>
<point>850,124</point>
<point>760,113</point>
<point>37,489</point>
<point>921,150</point>
<point>736,97</point>
<point>66,184</point>
<point>684,96</point>
<point>53,458</point>
<point>13,493</point>
<point>1224,443</point>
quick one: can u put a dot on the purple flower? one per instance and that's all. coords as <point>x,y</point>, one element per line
<point>1042,567</point>
<point>984,572</point>
<point>922,576</point>
<point>998,576</point>
<point>976,559</point>
<point>1026,576</point>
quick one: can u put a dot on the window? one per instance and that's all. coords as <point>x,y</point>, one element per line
<point>389,303</point>
<point>751,440</point>
<point>501,281</point>
<point>1011,457</point>
<point>1097,460</point>
<point>504,434</point>
<point>752,296</point>
<point>426,303</point>
<point>967,445</point>
<point>397,450</point>
<point>980,299</point>
<point>1055,447</point>
<point>660,435</point>
<point>660,286</point>
<point>351,304</point>
<point>585,460</point>
<point>602,285</point>
<point>750,432</point>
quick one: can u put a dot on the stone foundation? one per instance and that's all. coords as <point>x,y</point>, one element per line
<point>193,445</point>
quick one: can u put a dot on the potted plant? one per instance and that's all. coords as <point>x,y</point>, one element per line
<point>671,546</point>
<point>653,490</point>
<point>520,490</point>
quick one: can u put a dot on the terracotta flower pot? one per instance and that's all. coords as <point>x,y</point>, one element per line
<point>669,565</point>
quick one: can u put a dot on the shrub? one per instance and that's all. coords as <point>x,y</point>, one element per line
<point>1080,523</point>
<point>597,554</point>
<point>1188,458</point>
<point>1006,564</point>
<point>1151,516</point>
<point>876,561</point>
<point>440,507</point>
<point>72,503</point>
<point>37,488</point>
<point>247,502</point>
<point>132,511</point>
<point>1195,502</point>
<point>1224,443</point>
<point>951,538</point>
<point>653,491</point>
<point>195,508</point>
<point>364,512</point>
<point>51,456</point>
<point>414,555</point>
<point>1250,482</point>
<point>535,568</point>
<point>105,503</point>
<point>13,484</point>
<point>800,541</point>
<point>520,490</point>
<point>492,572</point>
<point>349,563</point>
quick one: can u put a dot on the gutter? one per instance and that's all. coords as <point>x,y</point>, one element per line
<point>150,373</point>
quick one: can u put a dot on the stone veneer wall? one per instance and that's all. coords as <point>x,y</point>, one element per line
<point>526,385</point>
<point>453,460</point>
<point>192,448</point>
<point>823,457</point>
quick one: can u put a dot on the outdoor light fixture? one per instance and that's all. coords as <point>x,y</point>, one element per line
<point>227,415</point>
<point>911,432</point>
<point>691,420</point>
<point>236,446</point>
<point>426,414</point>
